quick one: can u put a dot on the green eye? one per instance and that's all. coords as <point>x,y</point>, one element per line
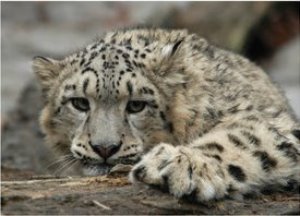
<point>135,106</point>
<point>80,104</point>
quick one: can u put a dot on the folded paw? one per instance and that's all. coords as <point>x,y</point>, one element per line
<point>181,172</point>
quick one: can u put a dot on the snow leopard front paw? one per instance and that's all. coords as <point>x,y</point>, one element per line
<point>178,171</point>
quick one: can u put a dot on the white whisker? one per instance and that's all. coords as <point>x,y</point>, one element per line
<point>64,166</point>
<point>58,161</point>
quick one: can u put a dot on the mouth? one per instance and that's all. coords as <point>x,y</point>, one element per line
<point>92,167</point>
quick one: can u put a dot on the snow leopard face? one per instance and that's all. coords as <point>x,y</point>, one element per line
<point>107,104</point>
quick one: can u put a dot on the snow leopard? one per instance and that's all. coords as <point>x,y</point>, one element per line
<point>191,118</point>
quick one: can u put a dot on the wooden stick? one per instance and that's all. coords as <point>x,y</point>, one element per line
<point>36,181</point>
<point>101,205</point>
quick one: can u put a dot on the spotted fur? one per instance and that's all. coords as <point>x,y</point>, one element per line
<point>196,120</point>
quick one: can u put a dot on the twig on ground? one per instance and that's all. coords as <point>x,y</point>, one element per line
<point>101,205</point>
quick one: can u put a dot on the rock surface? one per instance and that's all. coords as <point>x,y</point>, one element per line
<point>114,195</point>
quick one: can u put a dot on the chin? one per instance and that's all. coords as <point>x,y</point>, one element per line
<point>96,169</point>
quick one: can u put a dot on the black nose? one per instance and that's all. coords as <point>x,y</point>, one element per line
<point>105,151</point>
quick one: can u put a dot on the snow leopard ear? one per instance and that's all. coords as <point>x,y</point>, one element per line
<point>170,59</point>
<point>46,70</point>
<point>171,49</point>
<point>171,64</point>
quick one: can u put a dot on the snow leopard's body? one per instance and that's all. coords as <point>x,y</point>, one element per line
<point>195,119</point>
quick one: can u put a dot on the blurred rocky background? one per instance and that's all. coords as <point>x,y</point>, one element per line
<point>266,32</point>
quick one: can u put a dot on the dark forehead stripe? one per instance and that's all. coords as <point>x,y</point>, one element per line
<point>85,85</point>
<point>89,69</point>
<point>129,87</point>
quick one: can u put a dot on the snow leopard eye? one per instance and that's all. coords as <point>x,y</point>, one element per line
<point>135,106</point>
<point>80,104</point>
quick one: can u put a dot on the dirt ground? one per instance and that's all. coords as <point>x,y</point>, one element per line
<point>114,195</point>
<point>28,183</point>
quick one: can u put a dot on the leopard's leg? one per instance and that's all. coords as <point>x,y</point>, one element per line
<point>237,157</point>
